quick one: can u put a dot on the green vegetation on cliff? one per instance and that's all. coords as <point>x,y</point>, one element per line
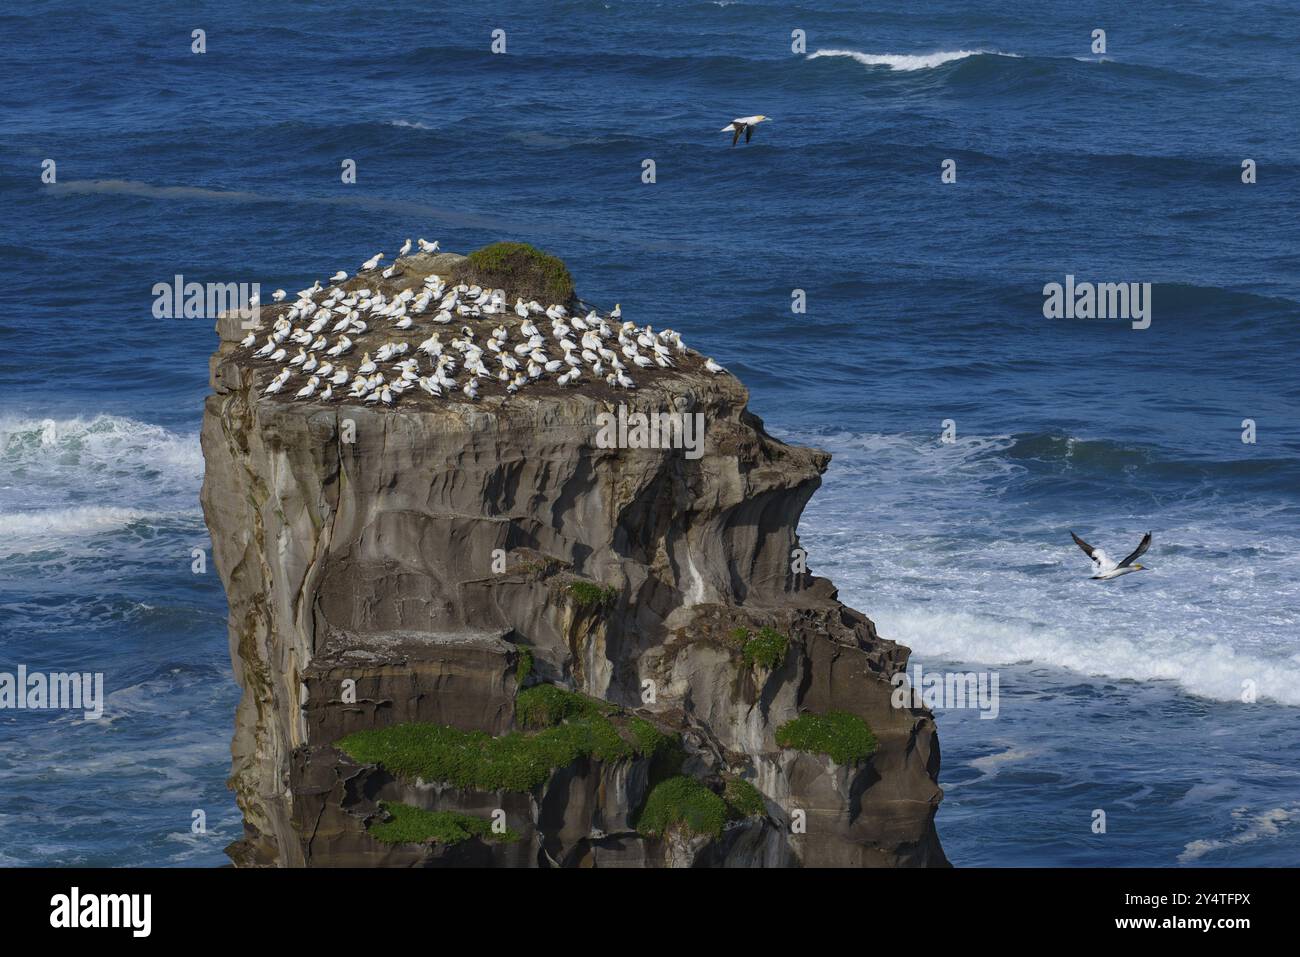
<point>544,706</point>
<point>682,802</point>
<point>767,648</point>
<point>413,825</point>
<point>562,727</point>
<point>743,799</point>
<point>844,737</point>
<point>521,270</point>
<point>523,667</point>
<point>590,595</point>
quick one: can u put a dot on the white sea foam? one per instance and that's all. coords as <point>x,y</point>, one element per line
<point>1211,668</point>
<point>1263,825</point>
<point>907,62</point>
<point>69,478</point>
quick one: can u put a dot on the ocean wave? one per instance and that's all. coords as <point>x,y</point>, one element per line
<point>906,62</point>
<point>1209,667</point>
<point>73,477</point>
<point>83,520</point>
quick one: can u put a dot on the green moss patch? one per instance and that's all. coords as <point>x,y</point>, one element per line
<point>413,825</point>
<point>545,706</point>
<point>561,727</point>
<point>523,666</point>
<point>767,648</point>
<point>473,759</point>
<point>844,737</point>
<point>521,270</point>
<point>589,595</point>
<point>743,799</point>
<point>682,802</point>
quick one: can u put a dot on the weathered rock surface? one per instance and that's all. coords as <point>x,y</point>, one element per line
<point>369,564</point>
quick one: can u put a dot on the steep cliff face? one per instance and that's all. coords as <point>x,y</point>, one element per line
<point>412,565</point>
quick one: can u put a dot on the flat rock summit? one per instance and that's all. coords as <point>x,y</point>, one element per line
<point>470,633</point>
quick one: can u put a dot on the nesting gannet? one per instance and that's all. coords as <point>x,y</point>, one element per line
<point>713,366</point>
<point>406,248</point>
<point>428,247</point>
<point>1102,566</point>
<point>339,276</point>
<point>744,124</point>
<point>278,295</point>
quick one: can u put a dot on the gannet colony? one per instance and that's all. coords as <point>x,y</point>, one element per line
<point>489,344</point>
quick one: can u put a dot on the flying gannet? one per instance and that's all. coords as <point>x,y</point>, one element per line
<point>1102,566</point>
<point>744,124</point>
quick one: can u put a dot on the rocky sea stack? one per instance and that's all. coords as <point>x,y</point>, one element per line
<point>467,633</point>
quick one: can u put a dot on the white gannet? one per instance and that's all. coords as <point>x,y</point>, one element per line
<point>1103,568</point>
<point>306,391</point>
<point>744,124</point>
<point>713,366</point>
<point>277,383</point>
<point>406,248</point>
<point>372,262</point>
<point>339,276</point>
<point>278,295</point>
<point>428,247</point>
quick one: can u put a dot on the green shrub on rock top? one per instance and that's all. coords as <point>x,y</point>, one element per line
<point>844,737</point>
<point>521,270</point>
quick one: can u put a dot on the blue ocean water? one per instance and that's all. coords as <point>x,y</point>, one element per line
<point>923,305</point>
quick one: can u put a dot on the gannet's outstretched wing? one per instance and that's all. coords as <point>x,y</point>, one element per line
<point>1139,551</point>
<point>1100,561</point>
<point>1087,549</point>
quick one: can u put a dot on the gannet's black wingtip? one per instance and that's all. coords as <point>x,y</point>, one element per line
<point>1139,551</point>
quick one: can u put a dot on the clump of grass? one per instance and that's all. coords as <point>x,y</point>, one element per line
<point>545,706</point>
<point>743,799</point>
<point>664,750</point>
<point>473,759</point>
<point>523,666</point>
<point>414,825</point>
<point>683,802</point>
<point>844,737</point>
<point>767,648</point>
<point>519,269</point>
<point>590,595</point>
